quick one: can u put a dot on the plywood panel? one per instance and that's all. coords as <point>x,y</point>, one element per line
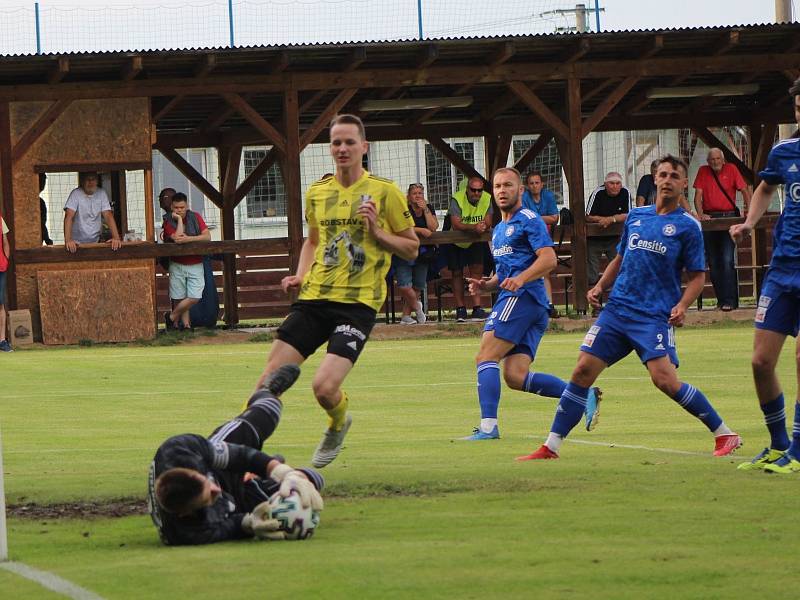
<point>101,305</point>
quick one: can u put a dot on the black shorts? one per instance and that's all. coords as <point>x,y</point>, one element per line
<point>458,257</point>
<point>311,323</point>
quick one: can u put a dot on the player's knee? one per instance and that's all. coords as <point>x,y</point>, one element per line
<point>582,375</point>
<point>514,379</point>
<point>325,391</point>
<point>666,382</point>
<point>764,365</point>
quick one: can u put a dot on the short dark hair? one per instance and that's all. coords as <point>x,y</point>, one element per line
<point>348,119</point>
<point>674,161</point>
<point>179,197</point>
<point>177,489</point>
<point>164,191</point>
<point>415,186</point>
<point>83,175</point>
<point>532,173</point>
<point>795,89</point>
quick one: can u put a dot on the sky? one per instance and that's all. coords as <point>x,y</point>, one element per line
<point>204,23</point>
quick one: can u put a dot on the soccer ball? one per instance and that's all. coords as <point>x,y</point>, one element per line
<point>297,522</point>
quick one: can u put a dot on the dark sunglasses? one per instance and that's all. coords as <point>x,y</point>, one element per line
<point>476,190</point>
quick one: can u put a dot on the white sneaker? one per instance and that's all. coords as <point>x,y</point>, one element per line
<point>408,320</point>
<point>420,312</point>
<point>331,445</point>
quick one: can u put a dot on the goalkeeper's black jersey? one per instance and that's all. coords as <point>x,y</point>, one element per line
<point>221,462</point>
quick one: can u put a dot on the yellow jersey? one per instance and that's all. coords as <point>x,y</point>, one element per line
<point>349,265</point>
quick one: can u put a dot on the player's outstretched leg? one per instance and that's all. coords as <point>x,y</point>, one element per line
<point>790,461</point>
<point>281,379</point>
<point>665,377</point>
<point>327,389</point>
<point>333,438</point>
<point>489,400</point>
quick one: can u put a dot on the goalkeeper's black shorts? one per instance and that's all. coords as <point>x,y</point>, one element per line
<point>311,323</point>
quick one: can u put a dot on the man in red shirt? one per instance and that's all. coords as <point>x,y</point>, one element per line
<point>715,196</point>
<point>186,277</point>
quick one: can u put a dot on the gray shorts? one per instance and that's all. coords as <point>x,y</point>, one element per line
<point>186,281</point>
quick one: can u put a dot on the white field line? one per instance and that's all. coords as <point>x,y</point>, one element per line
<point>349,387</point>
<point>637,447</point>
<point>50,581</point>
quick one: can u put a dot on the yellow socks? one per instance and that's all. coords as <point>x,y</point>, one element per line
<point>337,414</point>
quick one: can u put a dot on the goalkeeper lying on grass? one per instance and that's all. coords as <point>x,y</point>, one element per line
<point>200,490</point>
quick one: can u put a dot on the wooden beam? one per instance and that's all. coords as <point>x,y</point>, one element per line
<point>713,141</point>
<point>59,71</point>
<point>454,159</point>
<point>501,152</point>
<point>230,177</point>
<point>256,174</point>
<point>42,124</point>
<point>601,87</point>
<point>577,52</point>
<point>322,121</point>
<point>533,151</point>
<point>168,107</point>
<point>188,171</point>
<point>229,160</point>
<point>502,104</point>
<point>101,167</point>
<point>539,108</point>
<point>149,210</point>
<point>290,167</point>
<point>255,119</point>
<point>217,118</point>
<point>766,137</point>
<point>503,53</point>
<point>653,47</point>
<point>132,68</point>
<point>608,104</point>
<point>206,65</point>
<point>427,57</point>
<point>576,197</point>
<point>354,60</point>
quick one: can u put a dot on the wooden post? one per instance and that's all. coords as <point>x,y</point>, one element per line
<point>290,168</point>
<point>149,211</point>
<point>7,192</point>
<point>119,193</point>
<point>229,159</point>
<point>574,149</point>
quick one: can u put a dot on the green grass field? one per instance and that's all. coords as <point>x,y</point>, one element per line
<point>409,512</point>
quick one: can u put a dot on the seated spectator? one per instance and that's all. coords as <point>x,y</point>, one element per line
<point>86,208</point>
<point>43,211</point>
<point>412,275</point>
<point>646,190</point>
<point>186,277</point>
<point>165,200</point>
<point>470,210</point>
<point>5,259</point>
<point>715,187</point>
<point>608,204</point>
<point>543,202</point>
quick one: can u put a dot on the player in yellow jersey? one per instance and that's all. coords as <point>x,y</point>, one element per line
<point>356,221</point>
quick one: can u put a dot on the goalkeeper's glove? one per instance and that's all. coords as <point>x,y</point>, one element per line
<point>292,480</point>
<point>260,523</point>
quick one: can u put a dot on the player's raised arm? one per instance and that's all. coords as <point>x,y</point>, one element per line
<point>761,200</point>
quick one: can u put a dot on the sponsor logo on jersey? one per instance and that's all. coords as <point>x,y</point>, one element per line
<point>763,301</point>
<point>509,231</point>
<point>353,345</point>
<point>344,203</point>
<point>471,219</point>
<point>503,250</point>
<point>406,214</point>
<point>659,347</point>
<point>327,222</point>
<point>669,229</point>
<point>351,331</point>
<point>636,243</point>
<point>794,192</point>
<point>792,169</point>
<point>590,336</point>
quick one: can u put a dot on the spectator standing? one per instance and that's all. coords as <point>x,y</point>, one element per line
<point>543,202</point>
<point>86,208</point>
<point>5,259</point>
<point>43,210</point>
<point>608,204</point>
<point>646,190</point>
<point>186,277</point>
<point>715,187</point>
<point>470,210</point>
<point>412,275</point>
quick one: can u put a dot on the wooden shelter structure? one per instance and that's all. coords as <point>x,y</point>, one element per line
<point>108,110</point>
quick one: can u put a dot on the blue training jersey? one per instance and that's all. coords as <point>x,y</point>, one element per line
<point>514,246</point>
<point>783,167</point>
<point>655,249</point>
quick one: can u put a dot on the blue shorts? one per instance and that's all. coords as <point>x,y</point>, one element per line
<point>2,288</point>
<point>412,275</point>
<point>779,304</point>
<point>612,338</point>
<point>519,320</point>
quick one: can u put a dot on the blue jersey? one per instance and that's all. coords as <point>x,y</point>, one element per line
<point>514,246</point>
<point>655,249</point>
<point>783,167</point>
<point>546,206</point>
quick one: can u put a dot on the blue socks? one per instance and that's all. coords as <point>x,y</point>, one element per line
<point>544,385</point>
<point>570,409</point>
<point>775,418</point>
<point>489,388</point>
<point>695,403</point>
<point>794,448</point>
